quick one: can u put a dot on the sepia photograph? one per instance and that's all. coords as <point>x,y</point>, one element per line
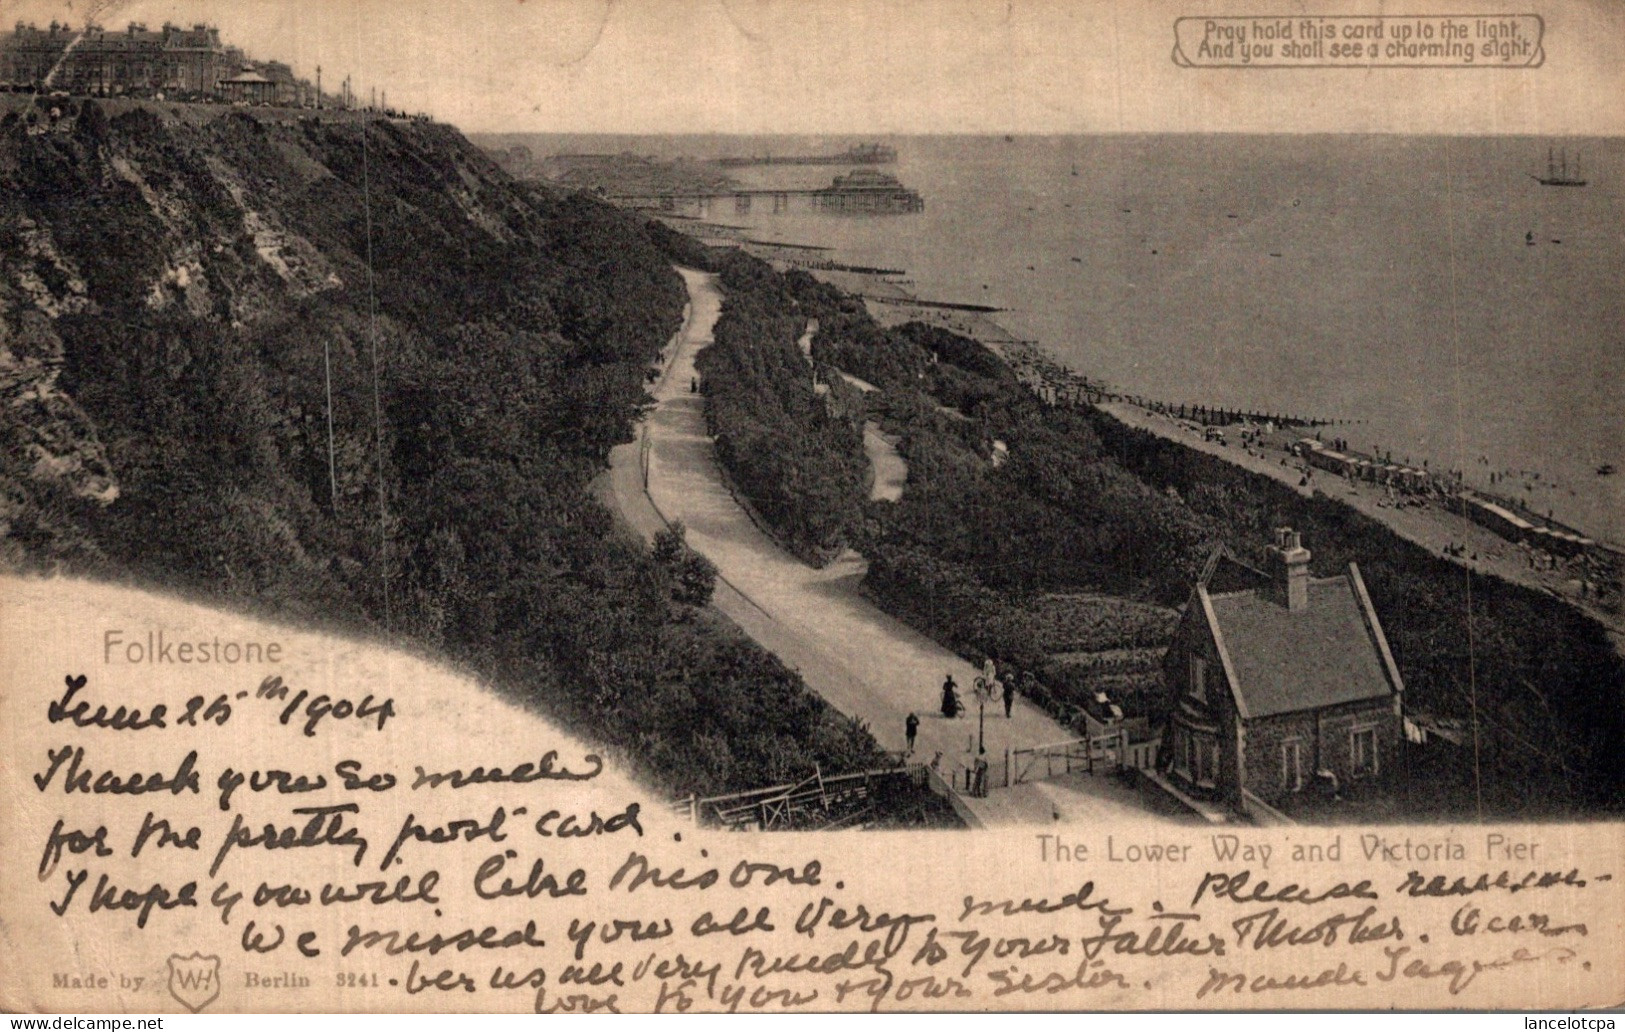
<point>1129,496</point>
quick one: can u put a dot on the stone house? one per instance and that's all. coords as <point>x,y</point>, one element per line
<point>1278,681</point>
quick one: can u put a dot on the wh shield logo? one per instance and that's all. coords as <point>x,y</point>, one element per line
<point>194,980</point>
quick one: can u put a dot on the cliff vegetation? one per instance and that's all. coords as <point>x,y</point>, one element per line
<point>1061,543</point>
<point>346,370</point>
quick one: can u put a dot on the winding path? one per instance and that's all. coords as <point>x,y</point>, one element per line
<point>890,471</point>
<point>862,661</point>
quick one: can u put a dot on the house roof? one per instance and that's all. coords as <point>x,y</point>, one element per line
<point>1224,573</point>
<point>1331,652</point>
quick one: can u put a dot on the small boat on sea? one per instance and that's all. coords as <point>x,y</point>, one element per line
<point>1557,171</point>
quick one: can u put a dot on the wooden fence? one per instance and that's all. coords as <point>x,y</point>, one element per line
<point>813,802</point>
<point>1093,755</point>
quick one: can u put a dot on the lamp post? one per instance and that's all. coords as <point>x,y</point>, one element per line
<point>976,773</point>
<point>981,713</point>
<point>981,749</point>
<point>981,722</point>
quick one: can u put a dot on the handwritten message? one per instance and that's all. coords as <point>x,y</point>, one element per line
<point>344,827</point>
<point>1380,41</point>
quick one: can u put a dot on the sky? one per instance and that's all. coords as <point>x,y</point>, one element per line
<point>872,67</point>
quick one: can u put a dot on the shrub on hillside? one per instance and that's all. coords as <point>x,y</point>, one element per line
<point>413,458</point>
<point>797,463</point>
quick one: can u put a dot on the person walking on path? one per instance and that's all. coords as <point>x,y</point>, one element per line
<point>1009,695</point>
<point>950,698</point>
<point>913,726</point>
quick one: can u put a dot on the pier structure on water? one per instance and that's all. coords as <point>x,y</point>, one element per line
<point>862,192</point>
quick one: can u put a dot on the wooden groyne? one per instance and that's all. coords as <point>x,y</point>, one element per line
<point>793,247</point>
<point>1058,386</point>
<point>825,265</point>
<point>1215,416</point>
<point>914,302</point>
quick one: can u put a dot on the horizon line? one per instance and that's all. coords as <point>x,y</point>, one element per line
<point>994,133</point>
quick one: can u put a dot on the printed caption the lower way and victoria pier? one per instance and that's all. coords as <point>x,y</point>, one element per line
<point>1490,847</point>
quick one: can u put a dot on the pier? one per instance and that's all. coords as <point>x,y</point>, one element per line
<point>863,192</point>
<point>702,200</point>
<point>744,198</point>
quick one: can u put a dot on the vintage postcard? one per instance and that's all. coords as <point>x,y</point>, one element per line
<point>719,506</point>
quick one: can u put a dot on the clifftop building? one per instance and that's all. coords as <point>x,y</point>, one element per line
<point>181,63</point>
<point>1279,680</point>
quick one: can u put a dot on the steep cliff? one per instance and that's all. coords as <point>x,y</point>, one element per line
<point>231,264</point>
<point>346,368</point>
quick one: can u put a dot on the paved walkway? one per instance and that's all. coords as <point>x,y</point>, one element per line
<point>890,471</point>
<point>864,662</point>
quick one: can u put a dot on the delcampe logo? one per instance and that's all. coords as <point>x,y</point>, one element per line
<point>194,980</point>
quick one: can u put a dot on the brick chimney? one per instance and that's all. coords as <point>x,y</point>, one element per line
<point>1289,570</point>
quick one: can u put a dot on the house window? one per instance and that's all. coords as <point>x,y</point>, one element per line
<point>1195,757</point>
<point>1198,678</point>
<point>1205,766</point>
<point>1292,766</point>
<point>1363,752</point>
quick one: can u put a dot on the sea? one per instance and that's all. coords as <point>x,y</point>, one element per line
<point>1426,291</point>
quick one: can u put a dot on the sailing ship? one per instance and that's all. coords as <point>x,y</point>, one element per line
<point>1557,171</point>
